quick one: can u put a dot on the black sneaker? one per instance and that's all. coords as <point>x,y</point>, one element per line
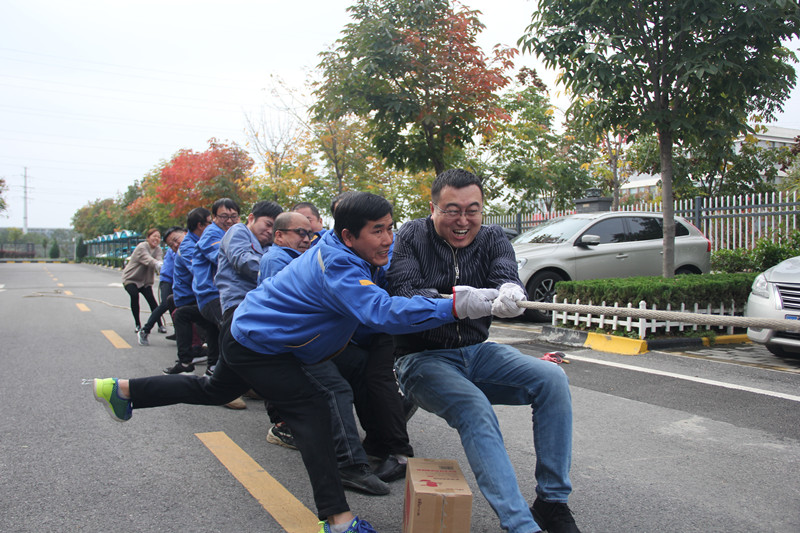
<point>281,435</point>
<point>171,337</point>
<point>162,329</point>
<point>391,469</point>
<point>362,478</point>
<point>180,368</point>
<point>553,517</point>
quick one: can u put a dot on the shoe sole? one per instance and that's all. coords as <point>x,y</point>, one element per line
<point>200,360</point>
<point>366,490</point>
<point>106,404</point>
<point>272,439</point>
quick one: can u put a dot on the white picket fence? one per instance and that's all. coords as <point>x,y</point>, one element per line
<point>641,325</point>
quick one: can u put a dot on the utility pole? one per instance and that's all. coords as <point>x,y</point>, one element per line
<point>25,202</point>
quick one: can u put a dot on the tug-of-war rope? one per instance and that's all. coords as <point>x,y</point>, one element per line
<point>672,316</point>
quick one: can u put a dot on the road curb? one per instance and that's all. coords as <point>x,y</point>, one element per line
<point>626,346</point>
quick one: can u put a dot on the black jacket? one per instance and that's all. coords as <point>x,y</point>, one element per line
<point>423,263</point>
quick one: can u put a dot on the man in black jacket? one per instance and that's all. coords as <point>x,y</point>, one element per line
<point>451,372</point>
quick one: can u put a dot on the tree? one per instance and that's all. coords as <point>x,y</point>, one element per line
<point>99,217</point>
<point>3,189</point>
<point>544,168</point>
<point>686,70</point>
<point>55,252</point>
<point>414,71</point>
<point>193,179</point>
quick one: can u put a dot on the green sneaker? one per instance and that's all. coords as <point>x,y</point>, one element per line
<point>356,526</point>
<point>106,391</point>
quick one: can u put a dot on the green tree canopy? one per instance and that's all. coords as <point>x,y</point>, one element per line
<point>683,69</point>
<point>414,70</point>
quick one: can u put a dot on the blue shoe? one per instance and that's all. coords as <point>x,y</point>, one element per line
<point>356,526</point>
<point>106,391</point>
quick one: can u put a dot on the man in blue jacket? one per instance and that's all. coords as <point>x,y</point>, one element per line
<point>225,213</point>
<point>292,237</point>
<point>303,315</point>
<point>452,372</point>
<point>186,311</point>
<point>240,255</point>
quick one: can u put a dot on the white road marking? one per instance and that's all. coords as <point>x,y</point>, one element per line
<point>115,284</point>
<point>704,381</point>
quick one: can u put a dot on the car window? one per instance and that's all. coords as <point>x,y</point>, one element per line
<point>555,231</point>
<point>645,228</point>
<point>609,230</point>
<point>680,229</point>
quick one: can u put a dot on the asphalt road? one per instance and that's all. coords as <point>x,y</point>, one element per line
<point>662,442</point>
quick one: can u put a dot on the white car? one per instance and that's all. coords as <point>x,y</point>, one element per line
<point>776,294</point>
<point>602,245</point>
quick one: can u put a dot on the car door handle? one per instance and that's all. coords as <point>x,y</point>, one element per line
<point>622,256</point>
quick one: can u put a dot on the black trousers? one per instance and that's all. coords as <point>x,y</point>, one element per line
<point>134,291</point>
<point>184,317</point>
<point>167,304</point>
<point>386,431</point>
<point>281,381</point>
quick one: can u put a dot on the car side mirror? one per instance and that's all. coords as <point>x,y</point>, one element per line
<point>588,240</point>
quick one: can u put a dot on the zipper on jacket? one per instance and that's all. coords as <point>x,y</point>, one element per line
<point>457,273</point>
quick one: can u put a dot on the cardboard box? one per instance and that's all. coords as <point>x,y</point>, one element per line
<point>438,499</point>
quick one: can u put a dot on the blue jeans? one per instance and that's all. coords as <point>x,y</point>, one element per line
<point>461,385</point>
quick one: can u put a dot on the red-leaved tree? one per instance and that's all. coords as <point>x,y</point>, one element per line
<point>193,179</point>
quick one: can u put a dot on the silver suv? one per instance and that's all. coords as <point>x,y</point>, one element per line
<point>776,294</point>
<point>602,245</point>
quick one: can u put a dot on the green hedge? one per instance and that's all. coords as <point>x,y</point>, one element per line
<point>704,289</point>
<point>117,262</point>
<point>765,254</point>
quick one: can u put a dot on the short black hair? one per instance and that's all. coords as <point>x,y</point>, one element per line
<point>309,205</point>
<point>197,216</point>
<point>224,202</point>
<point>266,209</point>
<point>338,198</point>
<point>356,209</point>
<point>458,178</point>
<point>172,230</point>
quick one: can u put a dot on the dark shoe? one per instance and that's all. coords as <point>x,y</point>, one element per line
<point>162,329</point>
<point>360,477</point>
<point>179,368</point>
<point>390,469</point>
<point>253,395</point>
<point>554,517</point>
<point>171,337</point>
<point>281,435</point>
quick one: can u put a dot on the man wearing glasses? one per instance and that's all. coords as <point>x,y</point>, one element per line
<point>292,237</point>
<point>452,372</point>
<point>225,213</point>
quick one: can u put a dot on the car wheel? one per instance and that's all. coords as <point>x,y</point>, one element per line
<point>780,351</point>
<point>684,270</point>
<point>541,288</point>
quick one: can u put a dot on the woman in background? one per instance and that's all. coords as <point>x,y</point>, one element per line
<point>139,274</point>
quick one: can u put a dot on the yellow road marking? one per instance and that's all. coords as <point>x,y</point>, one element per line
<point>54,279</point>
<point>82,307</point>
<point>68,293</point>
<point>114,338</point>
<point>287,510</point>
<point>59,284</point>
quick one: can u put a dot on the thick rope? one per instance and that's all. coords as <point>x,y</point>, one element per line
<point>672,316</point>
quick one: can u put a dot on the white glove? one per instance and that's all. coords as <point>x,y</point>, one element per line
<point>469,302</point>
<point>505,305</point>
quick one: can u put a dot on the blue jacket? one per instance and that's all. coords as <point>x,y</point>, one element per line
<point>167,267</point>
<point>312,307</point>
<point>204,265</point>
<point>182,273</point>
<point>237,265</point>
<point>274,260</point>
<point>317,236</point>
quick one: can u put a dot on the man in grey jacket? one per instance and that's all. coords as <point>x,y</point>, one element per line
<point>452,372</point>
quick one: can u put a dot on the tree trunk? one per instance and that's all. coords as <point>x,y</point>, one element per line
<point>667,203</point>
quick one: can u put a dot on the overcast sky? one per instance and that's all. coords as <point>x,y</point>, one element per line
<point>95,93</point>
